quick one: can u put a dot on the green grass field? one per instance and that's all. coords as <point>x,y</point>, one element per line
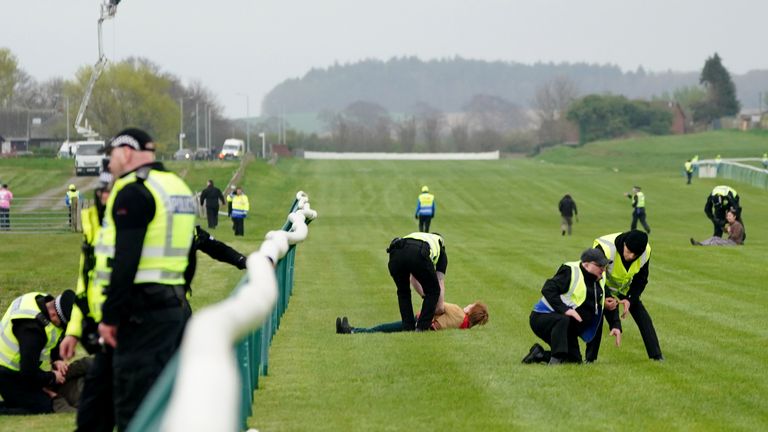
<point>501,225</point>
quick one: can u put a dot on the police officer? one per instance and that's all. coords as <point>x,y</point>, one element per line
<point>688,170</point>
<point>718,203</point>
<point>31,330</point>
<point>425,209</point>
<point>95,412</point>
<point>638,208</point>
<point>72,196</point>
<point>240,208</point>
<point>141,254</point>
<point>626,278</point>
<point>571,306</point>
<point>419,257</point>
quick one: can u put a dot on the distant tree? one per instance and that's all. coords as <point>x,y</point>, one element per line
<point>610,116</point>
<point>552,100</point>
<point>130,93</point>
<point>406,133</point>
<point>721,92</point>
<point>460,137</point>
<point>369,126</point>
<point>430,122</point>
<point>9,76</point>
<point>487,112</point>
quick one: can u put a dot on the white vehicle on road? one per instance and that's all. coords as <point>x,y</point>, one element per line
<point>232,149</point>
<point>88,157</point>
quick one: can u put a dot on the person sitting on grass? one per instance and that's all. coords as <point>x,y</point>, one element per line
<point>454,318</point>
<point>735,231</point>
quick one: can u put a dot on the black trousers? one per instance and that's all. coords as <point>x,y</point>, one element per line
<point>145,345</point>
<point>639,214</point>
<point>560,332</point>
<point>411,257</point>
<point>96,411</point>
<point>424,222</point>
<point>5,219</point>
<point>20,396</point>
<point>644,324</point>
<point>239,226</point>
<point>689,175</point>
<point>213,216</point>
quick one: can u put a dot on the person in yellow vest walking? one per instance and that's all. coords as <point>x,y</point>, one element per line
<point>425,209</point>
<point>240,207</point>
<point>626,279</point>
<point>141,254</point>
<point>72,196</point>
<point>31,330</point>
<point>638,208</point>
<point>572,305</point>
<point>420,257</point>
<point>688,166</point>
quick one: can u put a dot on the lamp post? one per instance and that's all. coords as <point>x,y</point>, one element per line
<point>181,123</point>
<point>263,145</point>
<point>247,122</point>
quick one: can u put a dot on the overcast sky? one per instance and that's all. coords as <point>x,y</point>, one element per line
<point>249,46</point>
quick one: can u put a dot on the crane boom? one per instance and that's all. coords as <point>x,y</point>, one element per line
<point>108,10</point>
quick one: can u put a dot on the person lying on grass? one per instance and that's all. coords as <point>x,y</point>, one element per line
<point>454,317</point>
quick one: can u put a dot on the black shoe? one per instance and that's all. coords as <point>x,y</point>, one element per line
<point>563,233</point>
<point>345,327</point>
<point>694,242</point>
<point>555,361</point>
<point>535,354</point>
<point>658,358</point>
<point>339,329</point>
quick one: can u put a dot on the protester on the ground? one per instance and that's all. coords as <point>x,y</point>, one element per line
<point>720,200</point>
<point>735,231</point>
<point>454,317</point>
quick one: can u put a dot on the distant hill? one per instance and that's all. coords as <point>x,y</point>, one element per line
<point>400,83</point>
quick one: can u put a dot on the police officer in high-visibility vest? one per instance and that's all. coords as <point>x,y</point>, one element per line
<point>638,208</point>
<point>240,208</point>
<point>688,166</point>
<point>720,200</point>
<point>572,305</point>
<point>626,278</point>
<point>31,330</point>
<point>419,259</point>
<point>141,255</point>
<point>72,196</point>
<point>425,209</point>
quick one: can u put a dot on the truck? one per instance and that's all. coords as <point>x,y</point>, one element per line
<point>232,149</point>
<point>88,157</point>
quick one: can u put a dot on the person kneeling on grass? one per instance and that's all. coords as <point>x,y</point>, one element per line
<point>454,317</point>
<point>572,306</point>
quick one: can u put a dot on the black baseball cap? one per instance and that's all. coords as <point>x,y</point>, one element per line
<point>596,256</point>
<point>134,138</point>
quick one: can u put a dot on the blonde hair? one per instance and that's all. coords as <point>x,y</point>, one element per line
<point>478,314</point>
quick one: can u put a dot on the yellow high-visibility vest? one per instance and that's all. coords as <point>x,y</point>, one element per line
<point>433,240</point>
<point>23,307</point>
<point>619,278</point>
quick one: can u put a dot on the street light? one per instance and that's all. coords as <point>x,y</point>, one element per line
<point>247,123</point>
<point>263,145</point>
<point>181,123</point>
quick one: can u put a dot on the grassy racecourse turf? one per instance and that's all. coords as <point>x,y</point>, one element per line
<point>501,225</point>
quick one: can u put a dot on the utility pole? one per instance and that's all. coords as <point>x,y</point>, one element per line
<point>67,119</point>
<point>197,125</point>
<point>181,123</point>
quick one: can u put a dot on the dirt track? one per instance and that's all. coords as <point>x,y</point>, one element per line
<point>58,192</point>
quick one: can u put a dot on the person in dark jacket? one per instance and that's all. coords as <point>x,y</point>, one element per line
<point>32,328</point>
<point>572,305</point>
<point>210,197</point>
<point>567,207</point>
<point>626,279</point>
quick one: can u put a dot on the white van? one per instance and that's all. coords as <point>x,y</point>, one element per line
<point>232,149</point>
<point>67,150</point>
<point>88,157</point>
